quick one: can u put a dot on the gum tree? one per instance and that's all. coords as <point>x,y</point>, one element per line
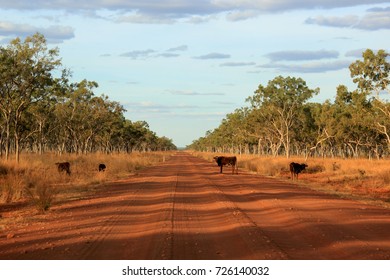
<point>26,76</point>
<point>280,103</point>
<point>372,78</point>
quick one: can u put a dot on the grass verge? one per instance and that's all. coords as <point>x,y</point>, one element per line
<point>36,179</point>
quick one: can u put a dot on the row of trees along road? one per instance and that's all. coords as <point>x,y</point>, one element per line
<point>41,112</point>
<point>280,120</point>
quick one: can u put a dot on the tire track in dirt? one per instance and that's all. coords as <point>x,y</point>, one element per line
<point>122,237</point>
<point>107,231</point>
<point>306,224</point>
<point>245,238</point>
<point>185,209</point>
<point>252,234</point>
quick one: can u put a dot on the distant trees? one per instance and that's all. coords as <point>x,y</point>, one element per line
<point>372,78</point>
<point>41,112</point>
<point>281,121</point>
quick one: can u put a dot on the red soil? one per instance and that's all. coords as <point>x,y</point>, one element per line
<point>185,209</point>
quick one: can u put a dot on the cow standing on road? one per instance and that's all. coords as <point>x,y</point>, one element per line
<point>221,161</point>
<point>296,168</point>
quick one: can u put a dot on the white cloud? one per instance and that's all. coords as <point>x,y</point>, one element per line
<point>355,53</point>
<point>302,55</point>
<point>344,21</point>
<point>145,19</point>
<point>138,54</point>
<point>53,34</point>
<point>163,110</point>
<point>237,64</point>
<point>213,56</point>
<point>169,55</point>
<point>181,48</point>
<point>374,19</point>
<point>242,15</point>
<point>151,11</point>
<point>284,5</point>
<point>195,19</point>
<point>313,67</point>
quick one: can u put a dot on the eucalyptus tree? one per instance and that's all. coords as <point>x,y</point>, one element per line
<point>165,144</point>
<point>140,137</point>
<point>231,134</point>
<point>258,127</point>
<point>73,116</point>
<point>325,125</point>
<point>211,140</point>
<point>105,119</point>
<point>7,95</point>
<point>279,103</point>
<point>237,122</point>
<point>352,128</point>
<point>26,74</point>
<point>2,134</point>
<point>221,139</point>
<point>39,117</point>
<point>306,133</point>
<point>372,76</point>
<point>128,136</point>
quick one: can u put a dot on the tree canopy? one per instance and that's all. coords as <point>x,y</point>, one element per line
<point>281,120</point>
<point>41,112</point>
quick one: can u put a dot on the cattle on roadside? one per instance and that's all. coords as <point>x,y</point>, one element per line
<point>63,166</point>
<point>296,168</point>
<point>221,161</point>
<point>102,167</point>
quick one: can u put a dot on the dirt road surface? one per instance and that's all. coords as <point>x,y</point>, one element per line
<point>184,209</point>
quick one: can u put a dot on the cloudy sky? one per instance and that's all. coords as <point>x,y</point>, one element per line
<point>182,65</point>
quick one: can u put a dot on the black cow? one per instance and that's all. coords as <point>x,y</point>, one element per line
<point>63,166</point>
<point>296,168</point>
<point>102,167</point>
<point>221,161</point>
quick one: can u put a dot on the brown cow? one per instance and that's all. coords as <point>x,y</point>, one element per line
<point>63,166</point>
<point>102,167</point>
<point>221,161</point>
<point>296,168</point>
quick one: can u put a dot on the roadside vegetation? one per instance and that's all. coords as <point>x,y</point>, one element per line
<point>360,179</point>
<point>45,118</point>
<point>35,179</point>
<point>345,141</point>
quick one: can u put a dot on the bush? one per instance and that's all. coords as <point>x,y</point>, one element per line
<point>3,170</point>
<point>317,168</point>
<point>41,196</point>
<point>11,188</point>
<point>385,176</point>
<point>335,166</point>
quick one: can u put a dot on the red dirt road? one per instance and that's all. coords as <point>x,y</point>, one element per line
<point>185,209</point>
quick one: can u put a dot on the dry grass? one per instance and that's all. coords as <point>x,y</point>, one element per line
<point>37,179</point>
<point>362,179</point>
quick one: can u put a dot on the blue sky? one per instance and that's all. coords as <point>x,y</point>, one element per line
<point>182,65</point>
